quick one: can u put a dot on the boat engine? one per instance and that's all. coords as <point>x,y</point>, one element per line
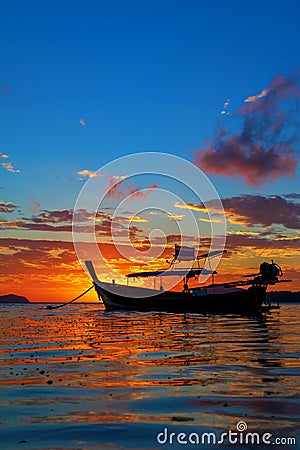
<point>269,273</point>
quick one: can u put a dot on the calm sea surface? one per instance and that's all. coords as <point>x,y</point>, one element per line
<point>82,378</point>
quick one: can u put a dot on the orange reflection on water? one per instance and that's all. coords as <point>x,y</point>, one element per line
<point>91,366</point>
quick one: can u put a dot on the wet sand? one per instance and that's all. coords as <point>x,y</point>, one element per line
<point>82,378</point>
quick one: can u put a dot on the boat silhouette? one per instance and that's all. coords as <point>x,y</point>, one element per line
<point>243,296</point>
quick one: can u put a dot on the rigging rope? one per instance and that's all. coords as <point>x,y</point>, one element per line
<point>71,301</point>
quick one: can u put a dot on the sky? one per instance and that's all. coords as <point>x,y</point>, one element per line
<point>85,82</point>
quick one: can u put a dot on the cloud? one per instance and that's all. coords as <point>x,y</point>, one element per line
<point>293,196</point>
<point>251,210</point>
<point>47,270</point>
<point>56,220</point>
<point>176,217</point>
<point>8,166</point>
<point>24,225</point>
<point>209,220</point>
<point>253,98</point>
<point>7,207</point>
<point>135,192</point>
<point>116,189</point>
<point>138,219</point>
<point>225,107</point>
<point>235,242</point>
<point>112,229</point>
<point>89,173</point>
<point>40,268</point>
<point>266,211</point>
<point>264,147</point>
<point>61,221</point>
<point>190,206</point>
<point>36,206</point>
<point>54,216</point>
<point>211,206</point>
<point>2,155</point>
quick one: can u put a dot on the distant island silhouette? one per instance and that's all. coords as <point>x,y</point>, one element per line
<point>13,298</point>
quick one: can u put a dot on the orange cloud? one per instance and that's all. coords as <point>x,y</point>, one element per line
<point>2,155</point>
<point>137,219</point>
<point>176,217</point>
<point>42,270</point>
<point>190,206</point>
<point>138,193</point>
<point>253,98</point>
<point>8,166</point>
<point>23,225</point>
<point>116,190</point>
<point>36,206</point>
<point>7,207</point>
<point>209,220</point>
<point>89,173</point>
<point>48,270</point>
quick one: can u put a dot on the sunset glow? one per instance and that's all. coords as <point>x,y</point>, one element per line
<point>70,106</point>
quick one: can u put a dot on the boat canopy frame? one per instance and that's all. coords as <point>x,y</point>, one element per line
<point>181,253</point>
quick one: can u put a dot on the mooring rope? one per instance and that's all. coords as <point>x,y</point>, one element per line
<point>71,301</point>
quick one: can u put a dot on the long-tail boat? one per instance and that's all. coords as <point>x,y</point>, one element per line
<point>243,296</point>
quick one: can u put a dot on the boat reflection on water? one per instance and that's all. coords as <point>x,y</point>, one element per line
<point>82,377</point>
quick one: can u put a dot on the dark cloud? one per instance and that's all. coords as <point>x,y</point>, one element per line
<point>20,224</point>
<point>55,216</point>
<point>250,210</point>
<point>66,216</point>
<point>293,196</point>
<point>112,229</point>
<point>266,211</point>
<point>264,147</point>
<point>61,221</point>
<point>235,242</point>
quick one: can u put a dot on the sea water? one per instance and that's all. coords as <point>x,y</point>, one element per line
<point>83,378</point>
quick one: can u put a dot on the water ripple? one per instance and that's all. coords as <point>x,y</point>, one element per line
<point>83,378</point>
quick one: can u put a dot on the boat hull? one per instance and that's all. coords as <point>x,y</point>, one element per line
<point>116,297</point>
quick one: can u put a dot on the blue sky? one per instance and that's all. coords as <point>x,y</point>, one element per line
<point>144,75</point>
<point>85,82</point>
